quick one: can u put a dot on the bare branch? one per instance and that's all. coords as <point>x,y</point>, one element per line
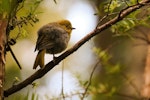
<point>104,17</point>
<point>90,81</point>
<point>12,53</point>
<point>62,84</point>
<point>41,72</point>
<point>131,83</point>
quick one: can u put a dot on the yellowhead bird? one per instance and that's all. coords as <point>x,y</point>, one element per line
<point>53,38</point>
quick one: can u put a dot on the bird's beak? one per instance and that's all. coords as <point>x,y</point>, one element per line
<point>73,28</point>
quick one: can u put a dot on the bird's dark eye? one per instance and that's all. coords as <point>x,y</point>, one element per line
<point>68,26</point>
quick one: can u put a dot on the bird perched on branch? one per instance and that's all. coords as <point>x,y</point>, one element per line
<point>53,38</point>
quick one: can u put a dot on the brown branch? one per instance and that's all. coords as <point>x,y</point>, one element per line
<point>41,72</point>
<point>131,83</point>
<point>90,81</point>
<point>13,55</point>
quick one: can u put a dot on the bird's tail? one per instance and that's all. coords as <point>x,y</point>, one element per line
<point>39,59</point>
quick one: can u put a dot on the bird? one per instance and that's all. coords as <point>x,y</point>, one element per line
<point>52,39</point>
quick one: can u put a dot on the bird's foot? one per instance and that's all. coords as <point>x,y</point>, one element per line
<point>54,59</point>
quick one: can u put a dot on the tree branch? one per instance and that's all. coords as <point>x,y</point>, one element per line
<point>41,72</point>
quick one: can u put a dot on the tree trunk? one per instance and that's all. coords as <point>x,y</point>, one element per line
<point>146,88</point>
<point>3,25</point>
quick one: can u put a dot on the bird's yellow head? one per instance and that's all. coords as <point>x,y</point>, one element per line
<point>66,24</point>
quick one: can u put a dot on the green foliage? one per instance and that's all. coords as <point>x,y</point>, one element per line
<point>106,85</point>
<point>25,15</point>
<point>113,7</point>
<point>124,26</point>
<point>112,82</point>
<point>5,6</point>
<point>8,8</point>
<point>12,74</point>
<point>102,54</point>
<point>105,61</point>
<point>110,78</point>
<point>20,15</point>
<point>105,90</point>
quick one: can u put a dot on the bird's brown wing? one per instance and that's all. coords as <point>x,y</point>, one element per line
<point>47,37</point>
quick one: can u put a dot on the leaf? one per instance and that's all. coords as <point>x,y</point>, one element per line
<point>114,69</point>
<point>34,85</point>
<point>102,88</point>
<point>23,32</point>
<point>112,91</point>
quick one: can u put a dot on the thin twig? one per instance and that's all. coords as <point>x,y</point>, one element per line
<point>62,83</point>
<point>137,1</point>
<point>19,32</point>
<point>22,5</point>
<point>90,81</point>
<point>12,53</point>
<point>131,83</point>
<point>131,97</point>
<point>109,5</point>
<point>126,2</point>
<point>145,39</point>
<point>104,17</point>
<point>141,38</point>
